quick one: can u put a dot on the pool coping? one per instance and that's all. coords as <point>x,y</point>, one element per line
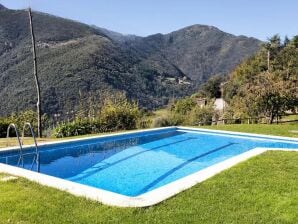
<point>152,197</point>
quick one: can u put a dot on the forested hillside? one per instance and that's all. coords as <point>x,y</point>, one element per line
<point>267,83</point>
<point>79,64</point>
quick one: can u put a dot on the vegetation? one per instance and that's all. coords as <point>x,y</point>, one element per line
<point>201,115</point>
<point>226,198</point>
<point>117,113</point>
<point>266,84</point>
<point>3,127</point>
<point>114,114</point>
<point>291,117</point>
<point>75,128</point>
<point>19,120</point>
<point>212,87</point>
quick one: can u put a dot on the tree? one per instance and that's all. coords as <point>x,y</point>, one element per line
<point>273,95</point>
<point>211,88</point>
<point>183,106</point>
<point>201,115</point>
<point>273,46</point>
<point>286,41</point>
<point>254,90</point>
<point>118,113</point>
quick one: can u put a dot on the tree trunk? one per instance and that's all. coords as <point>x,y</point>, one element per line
<point>271,118</point>
<point>38,105</point>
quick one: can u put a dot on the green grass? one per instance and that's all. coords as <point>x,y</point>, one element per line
<point>291,117</point>
<point>263,189</point>
<point>289,130</point>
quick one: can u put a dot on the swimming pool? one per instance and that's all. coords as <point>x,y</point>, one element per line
<point>133,168</point>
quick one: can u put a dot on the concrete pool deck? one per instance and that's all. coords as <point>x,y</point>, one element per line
<point>152,197</point>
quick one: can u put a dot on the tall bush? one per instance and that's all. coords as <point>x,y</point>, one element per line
<point>77,127</point>
<point>4,122</point>
<point>119,114</point>
<point>201,115</point>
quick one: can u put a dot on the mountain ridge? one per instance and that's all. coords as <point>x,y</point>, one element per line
<point>77,62</point>
<point>2,7</point>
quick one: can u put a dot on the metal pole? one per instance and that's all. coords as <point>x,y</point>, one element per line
<point>39,127</point>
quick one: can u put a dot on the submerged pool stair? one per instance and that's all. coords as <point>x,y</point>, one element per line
<point>21,143</point>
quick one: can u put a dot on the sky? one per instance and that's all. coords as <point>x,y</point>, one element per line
<point>254,18</point>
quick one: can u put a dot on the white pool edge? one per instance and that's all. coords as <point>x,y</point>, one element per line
<point>239,133</point>
<point>147,199</point>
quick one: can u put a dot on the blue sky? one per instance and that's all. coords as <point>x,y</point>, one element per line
<point>256,18</point>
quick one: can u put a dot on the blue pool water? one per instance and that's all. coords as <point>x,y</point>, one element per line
<point>133,164</point>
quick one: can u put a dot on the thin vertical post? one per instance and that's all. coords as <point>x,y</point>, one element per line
<point>38,105</point>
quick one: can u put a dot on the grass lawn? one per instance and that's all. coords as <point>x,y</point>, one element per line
<point>290,117</point>
<point>263,189</point>
<point>288,130</point>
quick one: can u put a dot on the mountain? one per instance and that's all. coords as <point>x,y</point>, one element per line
<point>196,51</point>
<point>79,64</point>
<point>2,7</point>
<point>118,37</point>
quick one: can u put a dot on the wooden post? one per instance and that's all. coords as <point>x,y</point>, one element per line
<point>38,105</point>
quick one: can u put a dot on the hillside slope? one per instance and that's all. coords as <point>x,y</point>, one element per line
<point>77,62</point>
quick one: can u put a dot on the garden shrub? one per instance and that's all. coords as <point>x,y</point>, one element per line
<point>19,120</point>
<point>119,115</point>
<point>144,122</point>
<point>183,106</point>
<point>4,122</point>
<point>78,127</point>
<point>201,115</point>
<point>161,122</point>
